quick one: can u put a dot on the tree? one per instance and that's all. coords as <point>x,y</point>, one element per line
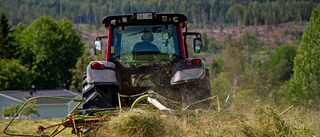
<point>251,41</point>
<point>13,76</point>
<point>7,48</point>
<point>50,50</point>
<point>281,63</point>
<point>79,69</point>
<point>200,11</point>
<point>235,14</point>
<point>305,85</point>
<point>205,42</point>
<point>216,66</point>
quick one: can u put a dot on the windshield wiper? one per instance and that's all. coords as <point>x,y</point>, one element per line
<point>153,29</point>
<point>139,32</point>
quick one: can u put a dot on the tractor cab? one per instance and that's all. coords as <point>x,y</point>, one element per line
<point>146,39</point>
<point>145,46</point>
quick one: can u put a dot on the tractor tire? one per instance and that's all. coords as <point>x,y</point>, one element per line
<point>97,97</point>
<point>84,82</point>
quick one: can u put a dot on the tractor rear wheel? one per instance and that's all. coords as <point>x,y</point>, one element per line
<point>97,97</point>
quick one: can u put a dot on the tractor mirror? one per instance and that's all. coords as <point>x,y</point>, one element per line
<point>97,47</point>
<point>197,45</point>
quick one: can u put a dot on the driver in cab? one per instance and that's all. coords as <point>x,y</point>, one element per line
<point>146,44</point>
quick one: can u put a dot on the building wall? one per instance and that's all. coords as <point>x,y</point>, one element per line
<point>45,111</point>
<point>51,111</point>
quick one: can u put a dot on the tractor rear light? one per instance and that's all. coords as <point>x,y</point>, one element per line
<point>102,66</point>
<point>196,61</point>
<point>95,65</point>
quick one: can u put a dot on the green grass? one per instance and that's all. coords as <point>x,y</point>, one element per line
<point>30,126</point>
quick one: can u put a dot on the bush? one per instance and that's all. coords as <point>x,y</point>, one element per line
<point>10,111</point>
<point>27,110</point>
<point>281,63</point>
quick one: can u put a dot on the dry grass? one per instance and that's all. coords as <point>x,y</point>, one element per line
<point>262,121</point>
<point>311,119</point>
<point>266,121</point>
<point>137,123</point>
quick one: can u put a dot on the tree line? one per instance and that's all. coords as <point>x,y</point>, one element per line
<point>41,54</point>
<point>208,13</point>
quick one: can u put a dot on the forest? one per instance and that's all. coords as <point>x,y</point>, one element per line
<point>209,13</point>
<point>270,71</point>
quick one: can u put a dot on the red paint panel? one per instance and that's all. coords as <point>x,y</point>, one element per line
<point>183,51</point>
<point>109,44</point>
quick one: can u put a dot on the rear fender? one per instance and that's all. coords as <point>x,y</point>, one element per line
<point>183,72</point>
<point>109,75</point>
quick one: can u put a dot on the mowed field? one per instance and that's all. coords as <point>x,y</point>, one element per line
<point>30,126</point>
<point>261,121</point>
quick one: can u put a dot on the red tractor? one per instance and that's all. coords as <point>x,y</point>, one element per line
<point>146,51</point>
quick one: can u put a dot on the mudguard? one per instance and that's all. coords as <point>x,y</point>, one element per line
<point>183,72</point>
<point>109,75</point>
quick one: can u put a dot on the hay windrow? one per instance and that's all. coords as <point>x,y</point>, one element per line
<point>135,123</point>
<point>263,121</point>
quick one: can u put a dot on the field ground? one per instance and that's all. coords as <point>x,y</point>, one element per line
<point>262,121</point>
<point>29,127</point>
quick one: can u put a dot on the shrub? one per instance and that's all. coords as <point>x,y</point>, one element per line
<point>11,110</point>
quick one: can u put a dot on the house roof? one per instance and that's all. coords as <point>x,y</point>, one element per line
<point>25,95</point>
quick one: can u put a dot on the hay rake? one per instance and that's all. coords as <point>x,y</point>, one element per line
<point>76,120</point>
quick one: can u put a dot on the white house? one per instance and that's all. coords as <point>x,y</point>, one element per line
<point>48,108</point>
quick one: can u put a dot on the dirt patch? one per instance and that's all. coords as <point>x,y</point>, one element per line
<point>287,33</point>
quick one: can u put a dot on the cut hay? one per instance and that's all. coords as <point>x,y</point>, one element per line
<point>135,123</point>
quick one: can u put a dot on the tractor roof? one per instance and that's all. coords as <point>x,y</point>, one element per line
<point>145,18</point>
